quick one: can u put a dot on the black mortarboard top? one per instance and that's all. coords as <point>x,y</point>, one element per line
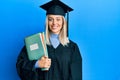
<point>56,7</point>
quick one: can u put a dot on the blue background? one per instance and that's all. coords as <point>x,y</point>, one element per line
<point>94,25</point>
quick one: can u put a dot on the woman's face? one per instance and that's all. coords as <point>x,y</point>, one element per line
<point>55,23</point>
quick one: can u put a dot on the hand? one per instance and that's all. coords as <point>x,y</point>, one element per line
<point>44,62</point>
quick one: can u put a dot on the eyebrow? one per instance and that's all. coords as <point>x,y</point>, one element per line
<point>55,17</point>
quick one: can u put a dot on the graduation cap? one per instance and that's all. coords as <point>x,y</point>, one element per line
<point>56,7</point>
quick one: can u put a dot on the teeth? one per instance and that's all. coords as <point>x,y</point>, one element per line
<point>54,27</point>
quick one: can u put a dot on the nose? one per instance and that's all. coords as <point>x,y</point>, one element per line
<point>54,22</point>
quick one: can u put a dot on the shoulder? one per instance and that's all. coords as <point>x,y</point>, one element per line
<point>75,49</point>
<point>23,51</point>
<point>72,43</point>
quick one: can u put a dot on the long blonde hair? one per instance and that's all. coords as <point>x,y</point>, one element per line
<point>62,35</point>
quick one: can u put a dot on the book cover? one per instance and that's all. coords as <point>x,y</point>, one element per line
<point>36,46</point>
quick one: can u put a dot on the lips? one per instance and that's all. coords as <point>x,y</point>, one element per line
<point>54,27</point>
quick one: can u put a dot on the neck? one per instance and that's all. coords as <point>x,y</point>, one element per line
<point>54,35</point>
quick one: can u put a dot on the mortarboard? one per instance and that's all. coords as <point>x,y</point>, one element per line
<point>56,7</point>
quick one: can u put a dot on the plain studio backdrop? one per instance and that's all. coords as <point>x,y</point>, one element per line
<point>94,25</point>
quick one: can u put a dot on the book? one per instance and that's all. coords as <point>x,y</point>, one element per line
<point>36,46</point>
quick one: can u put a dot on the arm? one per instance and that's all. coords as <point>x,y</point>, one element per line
<point>76,64</point>
<point>25,67</point>
<point>31,70</point>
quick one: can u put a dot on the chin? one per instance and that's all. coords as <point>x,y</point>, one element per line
<point>54,32</point>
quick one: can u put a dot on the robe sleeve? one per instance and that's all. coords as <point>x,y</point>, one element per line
<point>76,64</point>
<point>25,67</point>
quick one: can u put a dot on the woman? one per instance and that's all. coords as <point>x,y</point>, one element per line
<point>64,61</point>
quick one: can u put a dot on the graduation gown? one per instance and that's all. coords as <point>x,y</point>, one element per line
<point>66,64</point>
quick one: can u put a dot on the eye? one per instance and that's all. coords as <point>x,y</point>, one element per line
<point>58,19</point>
<point>50,19</point>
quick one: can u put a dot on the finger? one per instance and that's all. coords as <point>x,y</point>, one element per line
<point>46,65</point>
<point>45,56</point>
<point>49,59</point>
<point>42,58</point>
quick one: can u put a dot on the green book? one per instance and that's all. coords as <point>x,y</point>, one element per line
<point>36,46</point>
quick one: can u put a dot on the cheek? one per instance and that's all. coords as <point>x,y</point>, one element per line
<point>49,23</point>
<point>61,24</point>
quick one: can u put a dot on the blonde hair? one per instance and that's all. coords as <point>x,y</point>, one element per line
<point>62,35</point>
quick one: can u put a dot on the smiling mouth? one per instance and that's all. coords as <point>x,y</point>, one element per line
<point>54,27</point>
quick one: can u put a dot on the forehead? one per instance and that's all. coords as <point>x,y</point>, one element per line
<point>55,16</point>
